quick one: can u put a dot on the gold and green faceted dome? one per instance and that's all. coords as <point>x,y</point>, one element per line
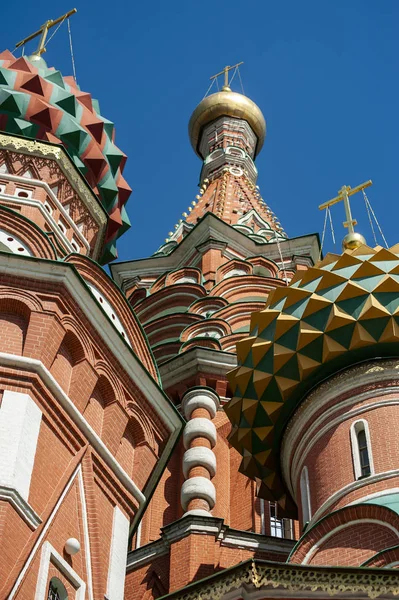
<point>339,312</point>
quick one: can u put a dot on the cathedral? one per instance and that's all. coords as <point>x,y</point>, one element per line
<point>217,421</point>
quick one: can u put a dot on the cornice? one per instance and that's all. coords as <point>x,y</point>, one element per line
<point>194,361</point>
<point>238,245</point>
<point>58,153</point>
<point>212,526</point>
<point>258,579</point>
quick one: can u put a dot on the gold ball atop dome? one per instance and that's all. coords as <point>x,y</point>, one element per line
<point>353,240</point>
<point>230,104</point>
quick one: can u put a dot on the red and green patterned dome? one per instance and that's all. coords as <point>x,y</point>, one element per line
<point>38,102</point>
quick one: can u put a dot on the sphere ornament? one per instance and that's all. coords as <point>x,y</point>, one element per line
<point>229,104</point>
<point>72,546</point>
<point>353,240</point>
<point>340,312</point>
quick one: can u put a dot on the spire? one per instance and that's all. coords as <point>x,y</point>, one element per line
<point>227,131</point>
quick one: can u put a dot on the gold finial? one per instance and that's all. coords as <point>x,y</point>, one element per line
<point>225,72</point>
<point>43,33</point>
<point>352,239</point>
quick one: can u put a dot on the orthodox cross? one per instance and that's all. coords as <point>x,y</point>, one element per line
<point>43,32</point>
<point>343,195</point>
<point>225,72</point>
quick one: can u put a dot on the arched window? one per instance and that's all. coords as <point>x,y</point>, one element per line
<point>56,590</point>
<point>361,450</point>
<point>305,496</point>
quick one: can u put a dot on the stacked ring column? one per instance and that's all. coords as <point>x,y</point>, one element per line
<point>198,494</point>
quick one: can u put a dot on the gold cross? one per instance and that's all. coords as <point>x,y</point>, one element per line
<point>343,195</point>
<point>225,72</point>
<point>43,33</point>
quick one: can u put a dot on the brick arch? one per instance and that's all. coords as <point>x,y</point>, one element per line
<point>140,425</point>
<point>28,232</point>
<point>69,354</point>
<point>102,368</point>
<point>71,325</point>
<point>14,323</point>
<point>92,274</point>
<point>383,559</point>
<point>348,536</point>
<point>125,453</point>
<point>102,395</point>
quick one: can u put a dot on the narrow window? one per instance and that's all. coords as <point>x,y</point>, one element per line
<point>305,496</point>
<point>363,453</point>
<point>281,528</point>
<point>361,450</point>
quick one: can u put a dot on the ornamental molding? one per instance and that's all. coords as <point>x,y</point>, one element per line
<point>370,377</point>
<point>348,489</point>
<point>22,507</point>
<point>191,524</point>
<point>238,245</point>
<point>255,579</point>
<point>57,153</point>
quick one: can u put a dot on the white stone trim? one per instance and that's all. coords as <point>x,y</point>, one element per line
<point>205,524</point>
<point>109,311</point>
<point>117,556</point>
<point>305,496</point>
<point>63,273</point>
<point>198,512</point>
<point>199,427</point>
<point>197,487</point>
<point>13,243</point>
<point>312,434</point>
<point>42,534</point>
<point>86,536</point>
<point>301,431</point>
<point>20,505</point>
<point>348,489</point>
<point>50,554</point>
<point>322,540</point>
<point>200,398</point>
<point>32,202</point>
<point>382,493</point>
<point>199,457</point>
<point>20,419</point>
<point>355,428</point>
<point>22,362</point>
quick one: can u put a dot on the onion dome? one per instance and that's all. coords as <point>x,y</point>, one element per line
<point>342,311</point>
<point>39,103</point>
<point>230,104</point>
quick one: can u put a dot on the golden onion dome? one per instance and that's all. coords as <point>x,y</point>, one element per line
<point>230,104</point>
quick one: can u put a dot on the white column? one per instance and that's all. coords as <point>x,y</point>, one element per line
<point>199,487</point>
<point>20,419</point>
<point>118,556</point>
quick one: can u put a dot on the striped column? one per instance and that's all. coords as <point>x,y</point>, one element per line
<point>198,494</point>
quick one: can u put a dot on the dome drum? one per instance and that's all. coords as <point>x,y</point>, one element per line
<point>336,314</point>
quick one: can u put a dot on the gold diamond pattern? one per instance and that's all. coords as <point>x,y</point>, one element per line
<point>286,352</point>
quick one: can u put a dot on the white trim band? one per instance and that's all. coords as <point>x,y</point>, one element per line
<point>200,398</point>
<point>199,427</point>
<point>198,487</point>
<point>199,457</point>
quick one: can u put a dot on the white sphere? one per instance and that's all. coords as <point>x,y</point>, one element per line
<point>72,546</point>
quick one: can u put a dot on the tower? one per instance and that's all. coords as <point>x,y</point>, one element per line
<point>320,369</point>
<point>193,298</point>
<point>85,429</point>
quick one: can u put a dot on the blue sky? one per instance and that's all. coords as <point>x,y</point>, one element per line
<point>324,74</point>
